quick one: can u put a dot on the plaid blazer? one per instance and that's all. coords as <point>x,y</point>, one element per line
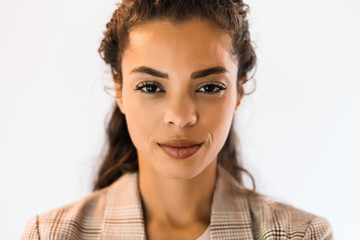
<point>115,212</point>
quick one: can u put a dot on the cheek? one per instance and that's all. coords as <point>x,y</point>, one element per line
<point>141,118</point>
<point>216,119</point>
<point>218,113</point>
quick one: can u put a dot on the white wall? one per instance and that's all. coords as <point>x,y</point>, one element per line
<point>299,129</point>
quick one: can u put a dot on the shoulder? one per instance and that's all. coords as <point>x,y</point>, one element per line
<point>242,213</point>
<point>113,211</point>
<point>256,216</point>
<point>81,218</point>
<point>273,219</point>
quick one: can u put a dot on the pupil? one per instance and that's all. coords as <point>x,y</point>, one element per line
<point>210,87</point>
<point>150,88</point>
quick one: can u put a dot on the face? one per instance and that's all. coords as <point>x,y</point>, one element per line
<point>179,82</point>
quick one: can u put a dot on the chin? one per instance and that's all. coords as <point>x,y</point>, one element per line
<point>182,171</point>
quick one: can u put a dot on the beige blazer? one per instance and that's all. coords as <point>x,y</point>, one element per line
<point>115,212</point>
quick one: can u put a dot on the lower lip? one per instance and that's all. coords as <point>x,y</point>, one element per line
<point>180,153</point>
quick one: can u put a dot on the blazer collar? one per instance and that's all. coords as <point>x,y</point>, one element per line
<point>230,213</point>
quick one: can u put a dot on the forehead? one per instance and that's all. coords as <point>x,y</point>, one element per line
<point>196,43</point>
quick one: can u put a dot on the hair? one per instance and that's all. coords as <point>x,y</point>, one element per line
<point>119,153</point>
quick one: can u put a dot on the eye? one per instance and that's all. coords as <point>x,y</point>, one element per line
<point>209,88</point>
<point>148,87</point>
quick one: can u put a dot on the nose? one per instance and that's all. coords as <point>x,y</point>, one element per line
<point>181,112</point>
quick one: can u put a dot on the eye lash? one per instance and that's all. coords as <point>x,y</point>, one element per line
<point>218,84</point>
<point>143,84</point>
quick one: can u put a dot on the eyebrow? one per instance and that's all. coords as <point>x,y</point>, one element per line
<point>194,75</point>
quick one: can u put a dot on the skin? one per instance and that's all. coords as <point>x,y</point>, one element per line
<point>177,193</point>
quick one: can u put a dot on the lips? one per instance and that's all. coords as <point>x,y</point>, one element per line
<point>180,153</point>
<point>180,149</point>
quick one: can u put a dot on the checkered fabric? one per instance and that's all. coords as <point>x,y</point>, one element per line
<point>115,212</point>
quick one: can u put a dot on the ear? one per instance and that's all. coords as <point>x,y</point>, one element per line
<point>118,94</point>
<point>238,95</point>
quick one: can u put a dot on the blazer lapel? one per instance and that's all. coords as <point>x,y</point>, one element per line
<point>123,213</point>
<point>230,213</point>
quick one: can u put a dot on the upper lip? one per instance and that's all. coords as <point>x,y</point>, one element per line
<point>180,143</point>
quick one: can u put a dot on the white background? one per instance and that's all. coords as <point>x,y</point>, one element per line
<point>299,129</point>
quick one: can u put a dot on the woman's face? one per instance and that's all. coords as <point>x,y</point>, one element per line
<point>167,95</point>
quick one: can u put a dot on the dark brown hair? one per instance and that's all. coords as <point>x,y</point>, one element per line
<point>120,155</point>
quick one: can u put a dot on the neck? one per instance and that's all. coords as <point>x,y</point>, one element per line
<point>177,202</point>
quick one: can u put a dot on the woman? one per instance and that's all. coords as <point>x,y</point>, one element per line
<point>171,169</point>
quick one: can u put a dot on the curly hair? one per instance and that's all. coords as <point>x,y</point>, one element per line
<point>120,155</point>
